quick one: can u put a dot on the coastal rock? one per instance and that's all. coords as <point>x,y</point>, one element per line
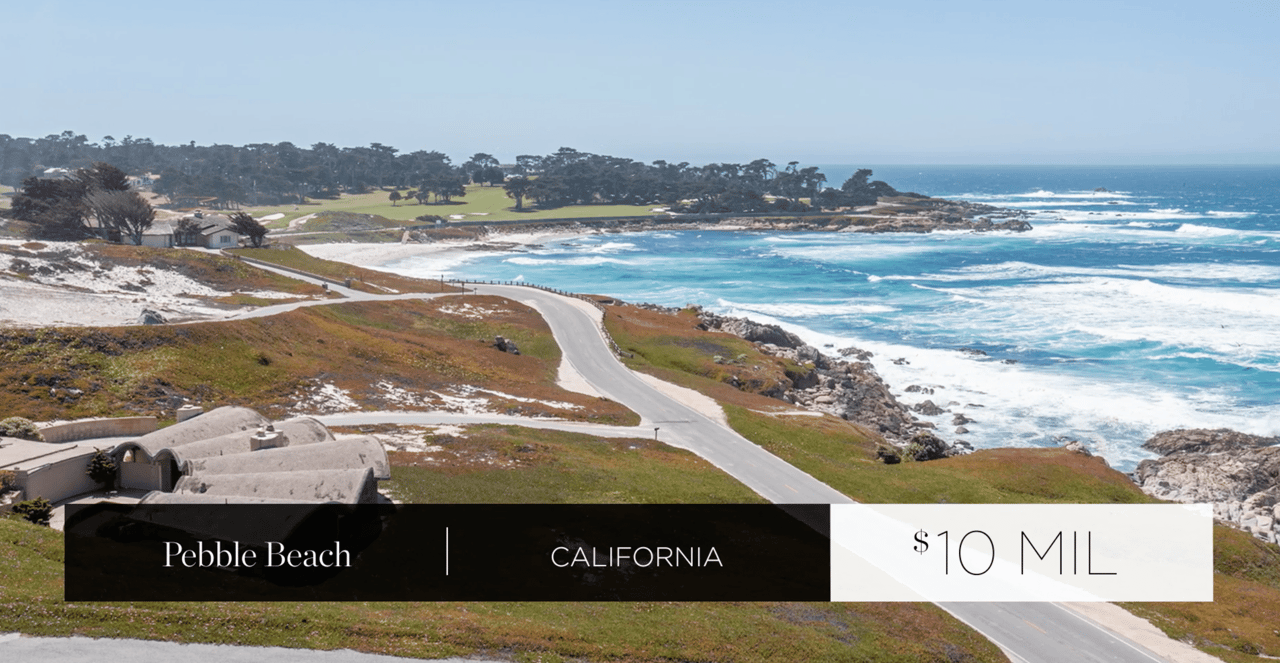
<point>151,317</point>
<point>1204,440</point>
<point>852,391</point>
<point>1238,473</point>
<point>751,330</point>
<point>506,345</point>
<point>927,446</point>
<point>1076,446</point>
<point>927,408</point>
<point>856,353</point>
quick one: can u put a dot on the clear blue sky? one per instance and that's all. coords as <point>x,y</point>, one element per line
<point>820,82</point>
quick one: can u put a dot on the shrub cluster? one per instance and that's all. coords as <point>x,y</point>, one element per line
<point>20,428</point>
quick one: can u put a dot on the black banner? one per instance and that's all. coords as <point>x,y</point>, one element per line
<point>254,552</point>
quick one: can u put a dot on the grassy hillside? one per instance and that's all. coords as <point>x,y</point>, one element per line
<point>366,280</point>
<point>31,580</point>
<point>382,354</point>
<point>506,464</point>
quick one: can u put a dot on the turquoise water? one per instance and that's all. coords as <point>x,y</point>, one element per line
<point>1152,305</point>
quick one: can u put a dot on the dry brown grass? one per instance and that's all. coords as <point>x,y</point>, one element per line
<point>674,348</point>
<point>273,363</point>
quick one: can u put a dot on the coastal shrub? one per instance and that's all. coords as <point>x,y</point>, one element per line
<point>20,428</point>
<point>102,468</point>
<point>38,510</point>
<point>8,481</point>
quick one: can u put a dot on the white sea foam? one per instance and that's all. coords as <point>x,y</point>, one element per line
<point>799,310</point>
<point>608,247</point>
<point>575,261</point>
<point>1154,214</point>
<point>1024,405</point>
<point>1142,231</point>
<point>1079,313</point>
<point>1205,231</point>
<point>1206,272</point>
<point>1103,195</point>
<point>1057,202</point>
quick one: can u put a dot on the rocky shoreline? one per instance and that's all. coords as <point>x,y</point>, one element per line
<point>1238,473</point>
<point>846,387</point>
<point>897,215</point>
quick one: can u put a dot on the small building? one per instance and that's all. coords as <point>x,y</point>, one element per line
<point>237,455</point>
<point>159,235</point>
<point>216,232</point>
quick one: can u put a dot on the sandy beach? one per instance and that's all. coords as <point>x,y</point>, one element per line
<point>443,256</point>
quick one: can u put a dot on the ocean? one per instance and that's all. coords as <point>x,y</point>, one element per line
<point>1145,298</point>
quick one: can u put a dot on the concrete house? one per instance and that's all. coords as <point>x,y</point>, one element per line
<point>236,455</point>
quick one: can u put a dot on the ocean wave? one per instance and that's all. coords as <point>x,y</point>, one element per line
<point>608,247</point>
<point>1025,405</point>
<point>1205,231</point>
<point>1077,314</point>
<point>1014,270</point>
<point>1103,195</point>
<point>807,310</point>
<point>1021,204</point>
<point>574,262</point>
<point>1159,229</point>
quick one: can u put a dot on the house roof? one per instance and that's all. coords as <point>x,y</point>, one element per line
<point>300,431</point>
<point>345,486</point>
<point>18,454</point>
<point>215,454</point>
<point>351,453</point>
<point>159,228</point>
<point>221,421</point>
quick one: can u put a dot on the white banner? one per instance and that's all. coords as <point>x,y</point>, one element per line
<point>1021,552</point>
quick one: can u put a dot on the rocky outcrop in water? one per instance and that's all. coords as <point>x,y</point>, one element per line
<point>1237,472</point>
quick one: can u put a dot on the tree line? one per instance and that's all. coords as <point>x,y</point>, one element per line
<point>227,176</point>
<point>99,201</point>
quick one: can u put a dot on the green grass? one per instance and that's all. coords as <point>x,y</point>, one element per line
<point>505,464</point>
<point>31,580</point>
<point>271,363</point>
<point>841,456</point>
<point>481,203</point>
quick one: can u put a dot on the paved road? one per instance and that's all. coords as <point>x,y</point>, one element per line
<point>79,649</point>
<point>575,325</point>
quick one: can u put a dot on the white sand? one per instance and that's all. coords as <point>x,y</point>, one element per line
<point>433,258</point>
<point>65,287</point>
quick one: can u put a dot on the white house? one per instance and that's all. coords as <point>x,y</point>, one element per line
<point>159,235</point>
